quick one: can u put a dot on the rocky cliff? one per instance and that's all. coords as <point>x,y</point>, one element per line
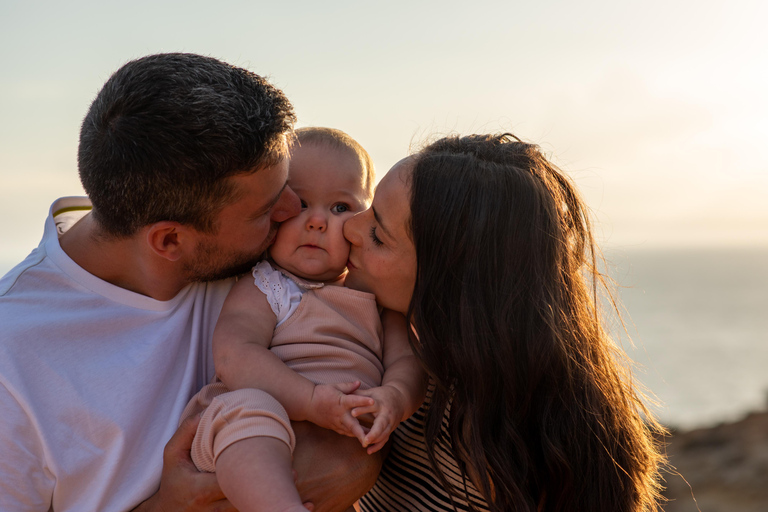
<point>719,469</point>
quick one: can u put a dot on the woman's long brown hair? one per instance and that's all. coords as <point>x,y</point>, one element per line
<point>543,414</point>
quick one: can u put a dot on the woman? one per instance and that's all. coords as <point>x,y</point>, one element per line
<point>486,247</point>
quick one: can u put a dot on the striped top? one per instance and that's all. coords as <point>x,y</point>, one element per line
<point>407,480</point>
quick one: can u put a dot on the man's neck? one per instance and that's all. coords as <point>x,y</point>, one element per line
<point>125,262</point>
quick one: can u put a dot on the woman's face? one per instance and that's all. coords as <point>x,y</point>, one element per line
<point>382,259</point>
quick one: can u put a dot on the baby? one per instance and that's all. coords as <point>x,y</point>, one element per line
<point>294,344</point>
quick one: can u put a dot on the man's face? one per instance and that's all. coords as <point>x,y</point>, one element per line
<point>246,227</point>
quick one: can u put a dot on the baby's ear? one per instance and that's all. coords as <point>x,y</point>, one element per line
<point>168,239</point>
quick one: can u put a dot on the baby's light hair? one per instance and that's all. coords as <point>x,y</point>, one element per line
<point>340,140</point>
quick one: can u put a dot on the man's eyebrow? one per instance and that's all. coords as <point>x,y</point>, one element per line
<point>378,219</point>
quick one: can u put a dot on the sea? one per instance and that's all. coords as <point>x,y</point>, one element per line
<point>695,329</point>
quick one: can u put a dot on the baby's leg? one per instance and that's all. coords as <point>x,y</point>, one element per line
<point>245,436</point>
<point>255,475</point>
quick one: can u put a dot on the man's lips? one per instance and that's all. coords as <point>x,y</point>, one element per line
<point>350,265</point>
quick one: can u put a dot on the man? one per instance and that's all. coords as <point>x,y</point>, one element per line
<point>106,326</point>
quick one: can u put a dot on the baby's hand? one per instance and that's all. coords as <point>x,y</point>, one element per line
<point>387,408</point>
<point>331,407</point>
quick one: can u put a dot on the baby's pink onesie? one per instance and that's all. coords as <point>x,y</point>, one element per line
<point>333,336</point>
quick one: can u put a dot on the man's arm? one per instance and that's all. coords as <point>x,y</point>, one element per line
<point>333,471</point>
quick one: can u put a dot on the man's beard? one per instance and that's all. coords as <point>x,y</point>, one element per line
<point>211,264</point>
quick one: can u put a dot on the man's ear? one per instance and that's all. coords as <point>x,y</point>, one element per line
<point>168,239</point>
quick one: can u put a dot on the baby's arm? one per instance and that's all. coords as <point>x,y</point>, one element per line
<point>242,359</point>
<point>403,385</point>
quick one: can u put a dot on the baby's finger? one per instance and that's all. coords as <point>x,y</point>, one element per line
<point>353,428</point>
<point>347,387</point>
<point>365,392</point>
<point>354,401</point>
<point>364,409</point>
<point>380,429</point>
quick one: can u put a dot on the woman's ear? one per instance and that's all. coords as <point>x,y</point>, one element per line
<point>167,239</point>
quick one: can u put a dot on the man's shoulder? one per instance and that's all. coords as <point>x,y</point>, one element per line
<point>9,280</point>
<point>63,213</point>
<point>217,290</point>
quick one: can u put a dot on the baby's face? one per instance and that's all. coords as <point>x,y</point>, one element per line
<point>329,183</point>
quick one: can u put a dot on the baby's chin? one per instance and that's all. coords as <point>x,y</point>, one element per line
<point>326,275</point>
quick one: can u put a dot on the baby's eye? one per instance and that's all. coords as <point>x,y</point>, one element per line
<point>303,204</point>
<point>340,208</point>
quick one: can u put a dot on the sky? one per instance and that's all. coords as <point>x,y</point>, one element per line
<point>657,110</point>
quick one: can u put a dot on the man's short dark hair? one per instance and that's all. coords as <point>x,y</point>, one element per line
<point>165,132</point>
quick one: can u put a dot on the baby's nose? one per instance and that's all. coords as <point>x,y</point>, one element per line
<point>317,222</point>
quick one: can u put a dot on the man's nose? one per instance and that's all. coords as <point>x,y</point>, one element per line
<point>287,206</point>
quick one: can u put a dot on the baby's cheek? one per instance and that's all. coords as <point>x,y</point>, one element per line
<point>341,245</point>
<point>343,250</point>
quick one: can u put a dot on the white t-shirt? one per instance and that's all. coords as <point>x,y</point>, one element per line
<point>93,379</point>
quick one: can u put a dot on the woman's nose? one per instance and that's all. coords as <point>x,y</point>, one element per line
<point>352,228</point>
